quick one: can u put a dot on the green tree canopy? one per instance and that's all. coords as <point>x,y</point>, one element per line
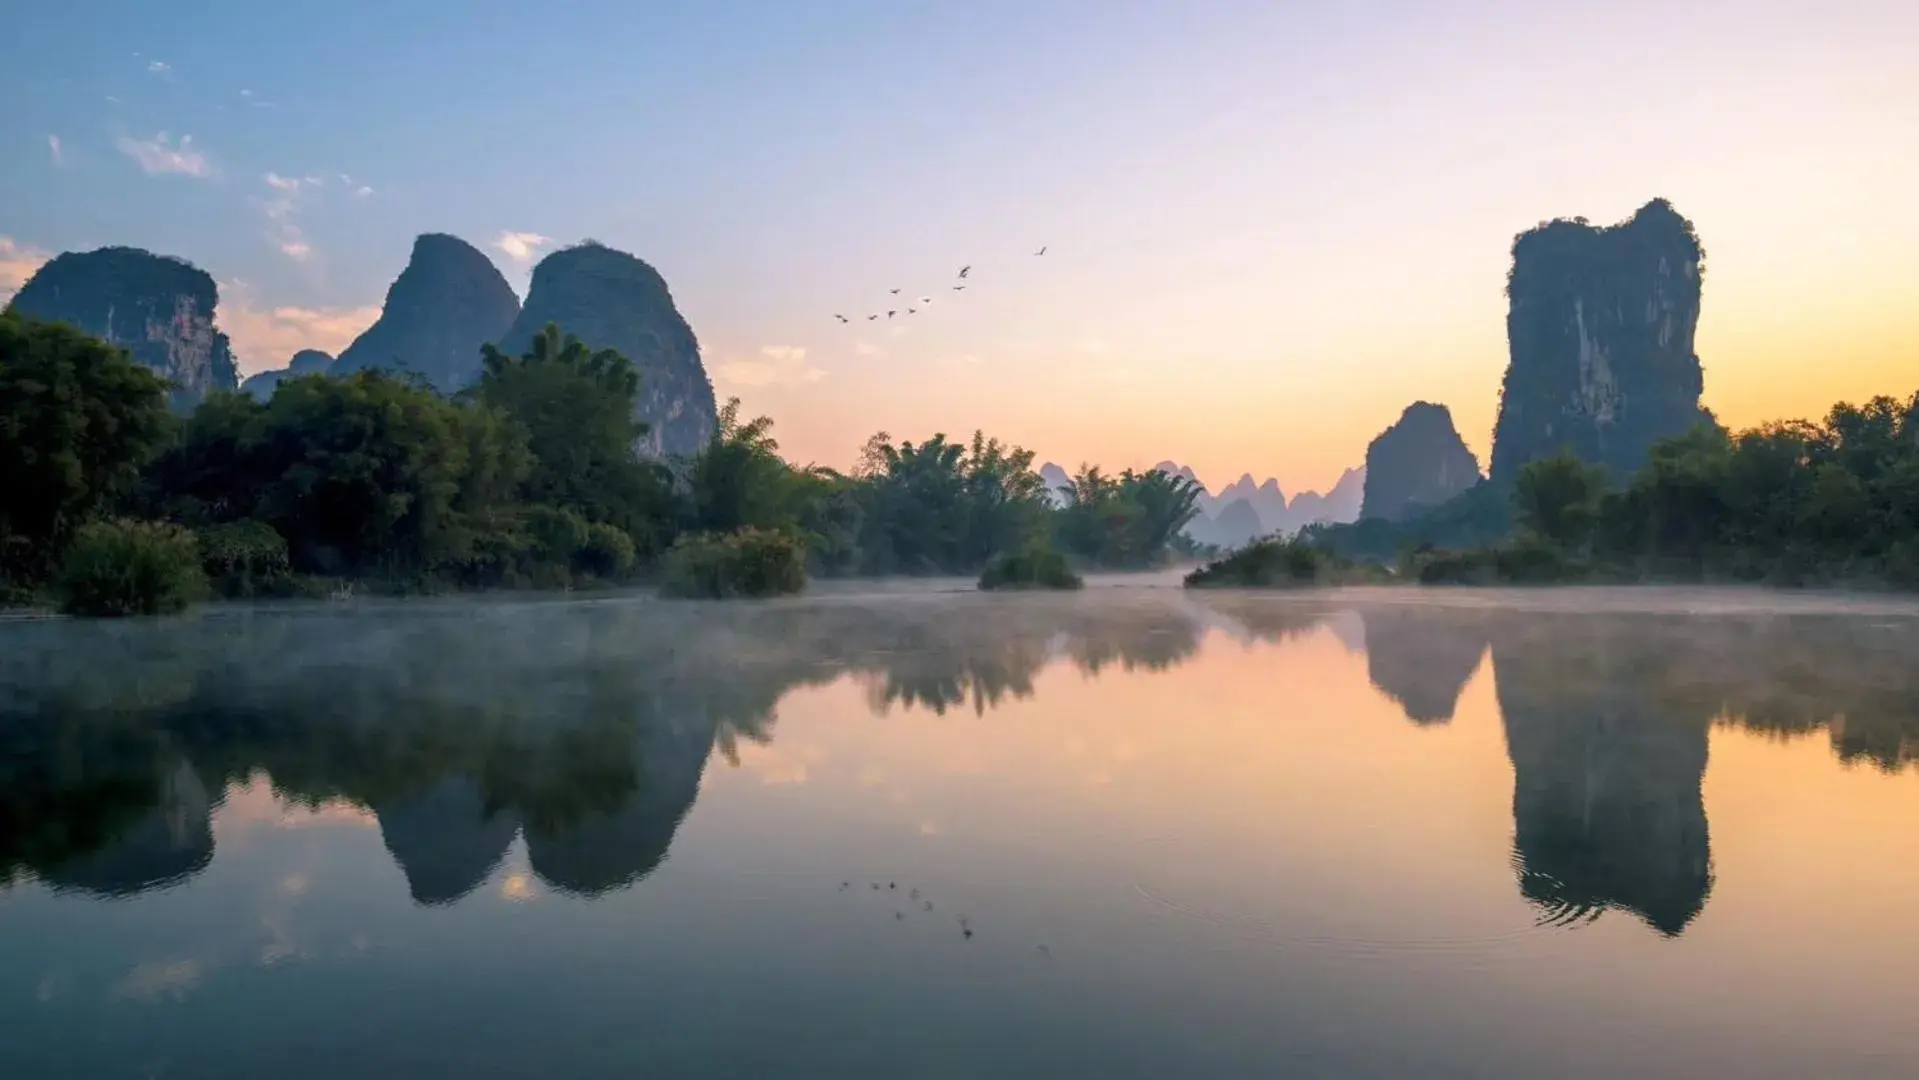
<point>78,419</point>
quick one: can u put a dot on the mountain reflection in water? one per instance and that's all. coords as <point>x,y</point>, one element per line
<point>586,727</point>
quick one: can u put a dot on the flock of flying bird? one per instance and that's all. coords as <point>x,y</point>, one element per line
<point>924,300</point>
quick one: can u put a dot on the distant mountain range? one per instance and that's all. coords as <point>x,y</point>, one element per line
<point>1247,509</point>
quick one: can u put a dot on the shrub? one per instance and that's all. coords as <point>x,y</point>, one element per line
<point>608,552</point>
<point>1438,566</point>
<point>118,568</point>
<point>244,558</point>
<point>1267,564</point>
<point>750,562</point>
<point>554,539</point>
<point>1037,569</point>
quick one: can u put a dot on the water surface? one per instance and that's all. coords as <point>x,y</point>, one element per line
<point>1129,833</point>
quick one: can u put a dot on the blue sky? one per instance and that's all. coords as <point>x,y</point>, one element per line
<point>1270,225</point>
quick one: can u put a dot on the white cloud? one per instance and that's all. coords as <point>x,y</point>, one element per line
<point>18,262</point>
<point>521,246</point>
<point>160,155</point>
<point>362,191</point>
<point>265,338</point>
<point>246,93</point>
<point>160,68</point>
<point>53,146</point>
<point>782,366</point>
<point>283,207</point>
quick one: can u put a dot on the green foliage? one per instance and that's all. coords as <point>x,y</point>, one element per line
<point>748,563</point>
<point>942,507</point>
<point>607,554</point>
<point>1130,520</point>
<point>1557,499</point>
<point>1037,568</point>
<point>557,535</point>
<point>78,419</point>
<point>120,568</point>
<point>738,479</point>
<point>1272,564</point>
<point>1476,517</point>
<point>362,475</point>
<point>244,558</point>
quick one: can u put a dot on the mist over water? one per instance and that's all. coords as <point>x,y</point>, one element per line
<point>906,830</point>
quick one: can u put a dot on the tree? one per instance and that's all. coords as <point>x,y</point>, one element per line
<point>738,480</point>
<point>1126,521</point>
<point>78,419</point>
<point>577,407</point>
<point>1557,499</point>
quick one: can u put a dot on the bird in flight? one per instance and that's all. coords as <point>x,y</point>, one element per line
<point>1041,251</point>
<point>912,311</point>
<point>965,269</point>
<point>895,292</point>
<point>841,318</point>
<point>870,318</point>
<point>957,288</point>
<point>889,314</point>
<point>926,299</point>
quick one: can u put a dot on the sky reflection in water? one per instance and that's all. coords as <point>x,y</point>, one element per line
<point>1133,832</point>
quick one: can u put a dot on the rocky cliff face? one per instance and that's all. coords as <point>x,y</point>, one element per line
<point>1417,463</point>
<point>1600,326</point>
<point>448,302</point>
<point>304,362</point>
<point>158,308</point>
<point>611,300</point>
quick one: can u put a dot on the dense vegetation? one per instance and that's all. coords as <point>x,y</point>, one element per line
<point>1276,563</point>
<point>1039,568</point>
<point>1796,503</point>
<point>530,478</point>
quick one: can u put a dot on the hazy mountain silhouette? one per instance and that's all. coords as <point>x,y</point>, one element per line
<point>448,301</point>
<point>1416,464</point>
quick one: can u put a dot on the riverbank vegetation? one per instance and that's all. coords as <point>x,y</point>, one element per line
<point>1833,503</point>
<point>528,479</point>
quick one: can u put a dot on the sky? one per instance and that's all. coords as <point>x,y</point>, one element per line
<point>1269,226</point>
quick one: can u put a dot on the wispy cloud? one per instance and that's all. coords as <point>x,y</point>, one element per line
<point>265,337</point>
<point>160,155</point>
<point>867,349</point>
<point>18,262</point>
<point>160,68</point>
<point>521,246</point>
<point>59,156</point>
<point>281,209</point>
<point>782,366</point>
<point>360,191</point>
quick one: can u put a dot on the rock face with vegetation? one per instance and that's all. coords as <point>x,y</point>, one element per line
<point>304,362</point>
<point>1600,324</point>
<point>611,300</point>
<point>158,308</point>
<point>1416,464</point>
<point>448,302</point>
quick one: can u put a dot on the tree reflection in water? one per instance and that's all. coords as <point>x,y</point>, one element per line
<point>586,727</point>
